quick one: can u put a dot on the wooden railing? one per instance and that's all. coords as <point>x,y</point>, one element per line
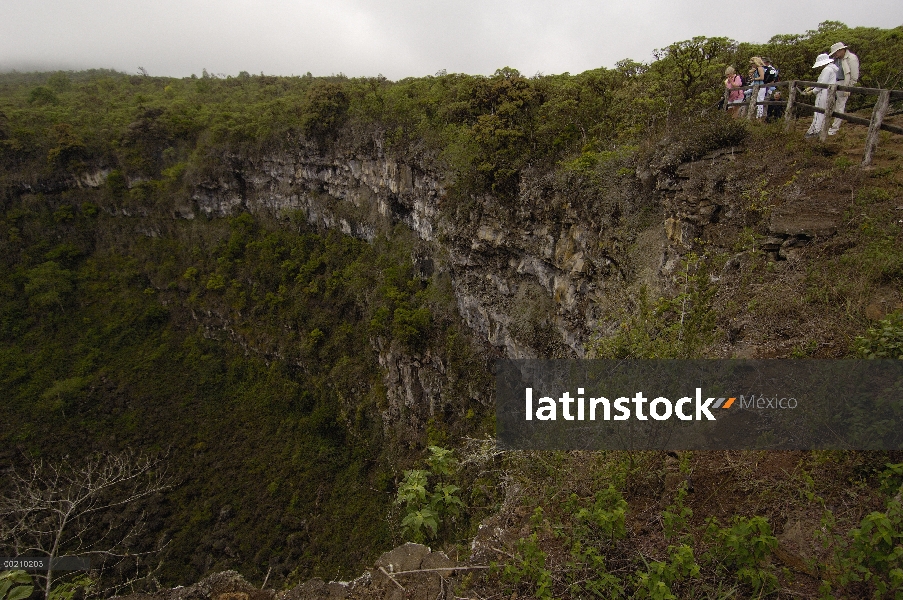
<point>875,124</point>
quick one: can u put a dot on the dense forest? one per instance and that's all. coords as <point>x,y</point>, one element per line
<point>248,351</point>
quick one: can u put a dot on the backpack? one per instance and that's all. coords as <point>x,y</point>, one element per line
<point>771,74</point>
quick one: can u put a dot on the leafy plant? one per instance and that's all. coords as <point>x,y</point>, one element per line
<point>892,478</point>
<point>15,585</point>
<point>589,573</point>
<point>441,461</point>
<point>425,509</point>
<point>873,555</point>
<point>529,566</point>
<point>417,519</point>
<point>607,514</point>
<point>884,340</point>
<point>676,516</point>
<point>79,587</point>
<point>743,548</point>
<point>657,581</point>
<point>413,489</point>
<point>592,529</point>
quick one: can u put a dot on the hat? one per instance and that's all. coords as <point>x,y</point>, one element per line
<point>822,60</point>
<point>836,47</point>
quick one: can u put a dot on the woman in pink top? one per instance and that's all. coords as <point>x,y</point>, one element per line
<point>735,96</point>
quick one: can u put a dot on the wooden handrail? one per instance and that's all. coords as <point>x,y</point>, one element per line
<point>850,118</point>
<point>875,124</point>
<point>894,94</point>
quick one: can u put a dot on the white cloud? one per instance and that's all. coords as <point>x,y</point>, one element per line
<point>398,38</point>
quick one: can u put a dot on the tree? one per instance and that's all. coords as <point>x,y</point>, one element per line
<point>325,110</point>
<point>59,82</point>
<point>696,65</point>
<point>41,96</point>
<point>90,509</point>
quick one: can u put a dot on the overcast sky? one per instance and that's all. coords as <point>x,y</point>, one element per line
<point>395,38</point>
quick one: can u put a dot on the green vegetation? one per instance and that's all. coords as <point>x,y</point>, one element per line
<point>677,515</point>
<point>15,585</point>
<point>885,340</point>
<point>80,586</point>
<point>234,344</point>
<point>529,567</point>
<point>867,560</point>
<point>742,549</point>
<point>677,327</point>
<point>484,130</point>
<point>427,511</point>
<point>657,581</point>
<point>570,549</point>
<point>874,556</point>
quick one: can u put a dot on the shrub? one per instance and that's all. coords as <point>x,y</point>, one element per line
<point>410,326</point>
<point>884,340</point>
<point>743,548</point>
<point>657,581</point>
<point>529,566</point>
<point>608,513</point>
<point>41,96</point>
<point>425,509</point>
<point>326,110</point>
<point>676,516</point>
<point>48,285</point>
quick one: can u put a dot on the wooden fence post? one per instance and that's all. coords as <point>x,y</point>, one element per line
<point>788,112</point>
<point>829,112</point>
<point>727,95</point>
<point>871,142</point>
<point>751,109</point>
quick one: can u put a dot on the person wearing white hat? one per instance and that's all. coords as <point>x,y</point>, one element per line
<point>848,65</point>
<point>828,75</point>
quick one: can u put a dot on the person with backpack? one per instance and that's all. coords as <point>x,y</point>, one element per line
<point>848,74</point>
<point>772,75</point>
<point>757,77</point>
<point>828,76</point>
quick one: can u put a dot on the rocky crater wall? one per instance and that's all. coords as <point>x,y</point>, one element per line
<point>525,277</point>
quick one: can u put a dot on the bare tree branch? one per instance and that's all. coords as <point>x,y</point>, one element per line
<point>88,508</point>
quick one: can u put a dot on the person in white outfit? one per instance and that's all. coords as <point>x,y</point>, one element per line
<point>829,76</point>
<point>848,65</point>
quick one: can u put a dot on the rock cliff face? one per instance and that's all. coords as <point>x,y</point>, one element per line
<point>537,275</point>
<point>525,275</point>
